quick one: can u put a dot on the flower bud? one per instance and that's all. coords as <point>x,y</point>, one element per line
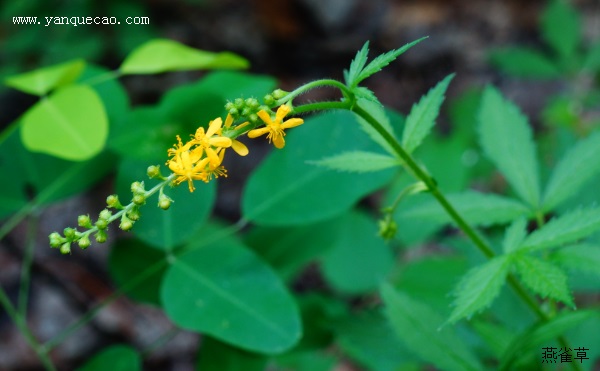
<point>84,242</point>
<point>153,171</point>
<point>252,103</point>
<point>278,93</point>
<point>126,223</point>
<point>387,228</point>
<point>101,236</point>
<point>137,187</point>
<point>65,248</point>
<point>84,221</point>
<point>253,118</point>
<point>134,214</point>
<point>105,214</point>
<point>233,112</point>
<point>229,106</point>
<point>239,103</point>
<point>164,201</point>
<point>246,111</point>
<point>101,224</point>
<point>269,100</point>
<point>139,199</point>
<point>113,201</point>
<point>70,233</point>
<point>56,239</point>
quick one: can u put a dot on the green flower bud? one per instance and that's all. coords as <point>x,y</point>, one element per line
<point>134,214</point>
<point>70,233</point>
<point>269,100</point>
<point>65,248</point>
<point>387,228</point>
<point>278,93</point>
<point>84,221</point>
<point>239,103</point>
<point>113,201</point>
<point>153,171</point>
<point>126,223</point>
<point>84,242</point>
<point>101,224</point>
<point>233,112</point>
<point>164,201</point>
<point>264,108</point>
<point>56,239</point>
<point>252,103</point>
<point>253,118</point>
<point>137,187</point>
<point>139,199</point>
<point>101,236</point>
<point>105,214</point>
<point>229,106</point>
<point>246,111</point>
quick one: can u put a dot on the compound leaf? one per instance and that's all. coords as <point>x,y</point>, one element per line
<point>543,278</point>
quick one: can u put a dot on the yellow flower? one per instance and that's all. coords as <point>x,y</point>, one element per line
<point>239,147</point>
<point>275,128</point>
<point>187,165</point>
<point>206,141</point>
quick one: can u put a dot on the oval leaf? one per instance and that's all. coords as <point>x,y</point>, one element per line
<point>114,358</point>
<point>163,55</point>
<point>286,190</point>
<point>70,124</point>
<point>225,291</point>
<point>43,80</point>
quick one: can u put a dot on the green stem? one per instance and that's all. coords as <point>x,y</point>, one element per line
<point>463,225</point>
<point>32,228</point>
<point>321,106</point>
<point>21,324</point>
<point>314,84</point>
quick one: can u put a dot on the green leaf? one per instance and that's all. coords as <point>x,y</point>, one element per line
<point>423,114</point>
<point>217,356</point>
<point>360,92</point>
<point>543,278</point>
<point>285,190</point>
<point>162,55</point>
<point>419,329</point>
<point>582,258</point>
<point>357,245</point>
<point>564,229</point>
<point>307,360</point>
<point>514,236</point>
<point>357,65</point>
<point>524,62</point>
<point>476,208</point>
<point>114,358</point>
<point>506,137</point>
<point>561,27</point>
<point>383,60</point>
<point>575,169</point>
<point>378,112</point>
<point>479,287</point>
<point>496,337</point>
<point>166,229</point>
<point>592,59</point>
<point>43,80</point>
<point>541,334</point>
<point>131,259</point>
<point>357,162</point>
<point>225,291</point>
<point>70,124</point>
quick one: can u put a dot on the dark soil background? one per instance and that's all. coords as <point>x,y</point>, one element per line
<point>295,41</point>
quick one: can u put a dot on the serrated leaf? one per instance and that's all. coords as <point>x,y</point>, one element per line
<point>477,208</point>
<point>582,258</point>
<point>578,166</point>
<point>357,65</point>
<point>514,236</point>
<point>541,334</point>
<point>70,124</point>
<point>418,327</point>
<point>507,139</point>
<point>544,278</point>
<point>377,111</point>
<point>364,93</point>
<point>561,27</point>
<point>357,162</point>
<point>383,60</point>
<point>524,62</point>
<point>43,80</point>
<point>162,55</point>
<point>479,287</point>
<point>564,229</point>
<point>423,114</point>
<point>225,291</point>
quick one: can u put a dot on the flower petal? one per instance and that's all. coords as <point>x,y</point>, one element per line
<point>278,141</point>
<point>258,132</point>
<point>239,147</point>
<point>228,121</point>
<point>265,117</point>
<point>282,111</point>
<point>220,142</point>
<point>214,126</point>
<point>292,123</point>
